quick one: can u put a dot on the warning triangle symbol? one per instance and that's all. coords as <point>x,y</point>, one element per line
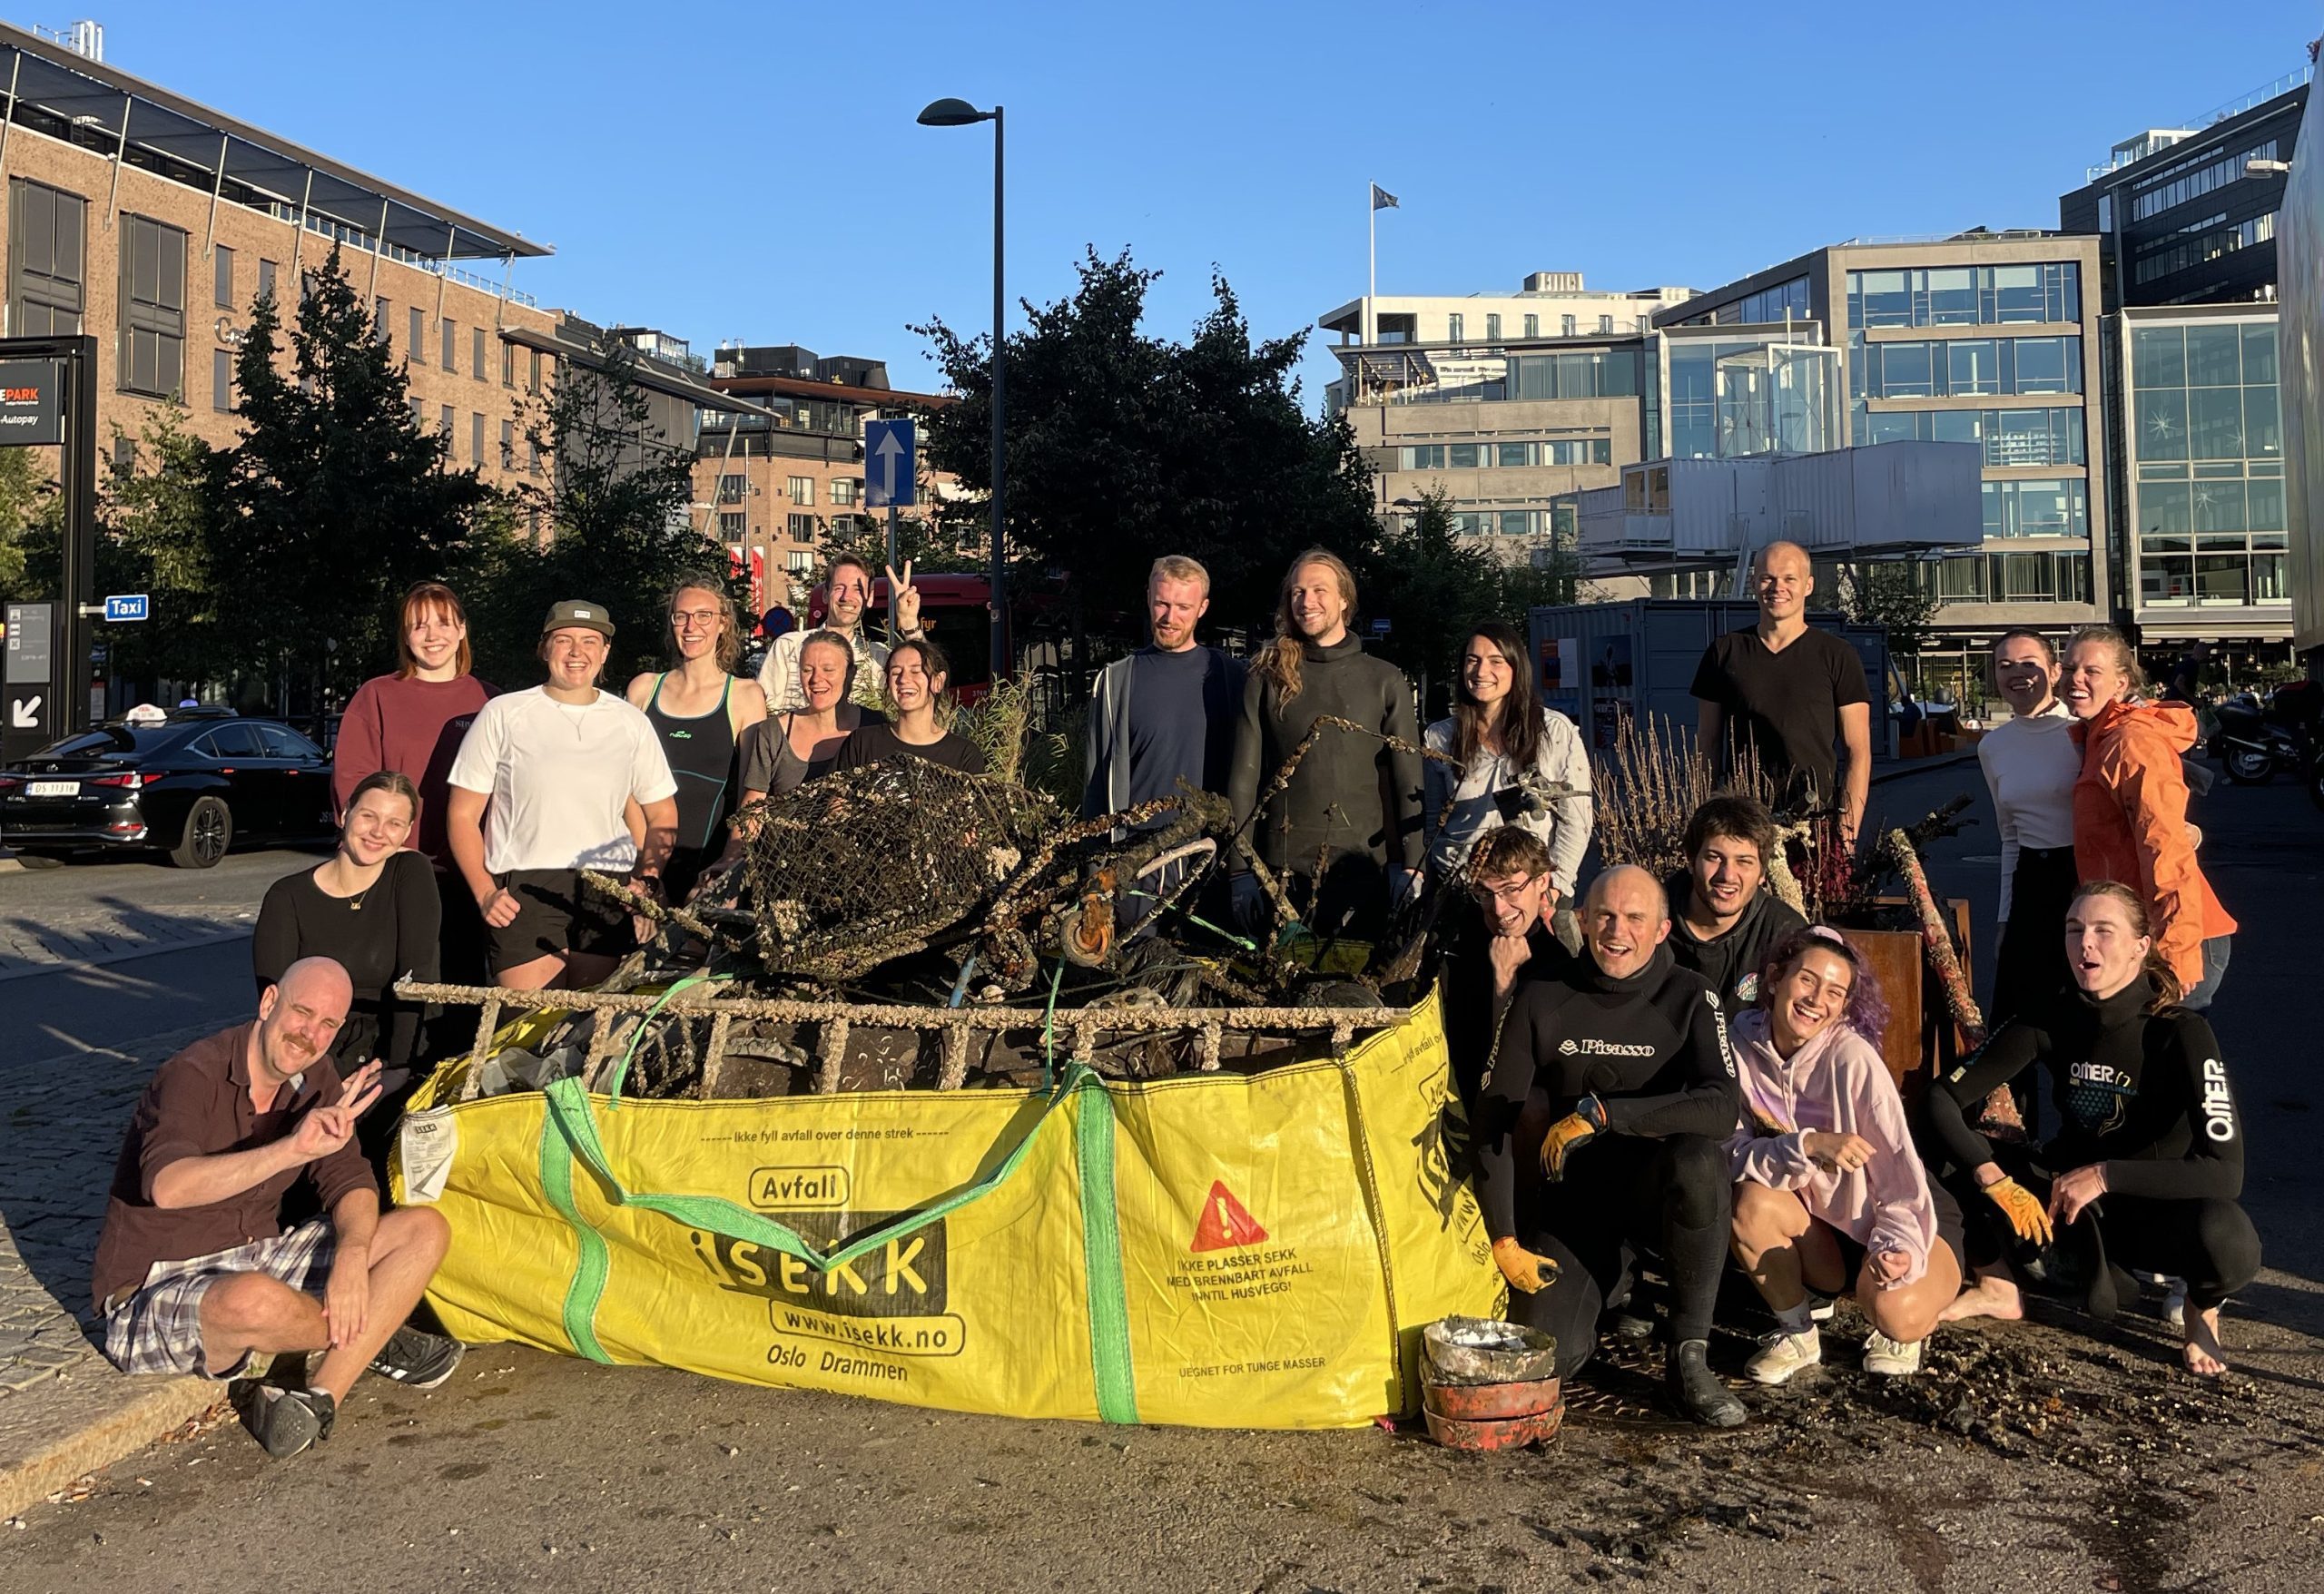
<point>1225,1222</point>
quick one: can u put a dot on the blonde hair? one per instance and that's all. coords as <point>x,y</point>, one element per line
<point>1281,660</point>
<point>2126,657</point>
<point>1178,567</point>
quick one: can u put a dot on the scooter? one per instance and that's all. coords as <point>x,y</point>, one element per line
<point>2255,740</point>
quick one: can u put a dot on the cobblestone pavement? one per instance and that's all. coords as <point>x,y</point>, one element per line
<point>102,910</point>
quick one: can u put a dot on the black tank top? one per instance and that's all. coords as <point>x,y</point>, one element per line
<point>701,751</point>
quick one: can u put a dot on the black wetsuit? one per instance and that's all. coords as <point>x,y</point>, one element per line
<point>2146,1095</point>
<point>1470,1010</point>
<point>1653,1050</point>
<point>701,752</point>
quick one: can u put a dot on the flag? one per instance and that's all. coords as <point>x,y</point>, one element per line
<point>1382,199</point>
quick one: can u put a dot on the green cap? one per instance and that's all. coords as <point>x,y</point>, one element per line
<point>580,613</point>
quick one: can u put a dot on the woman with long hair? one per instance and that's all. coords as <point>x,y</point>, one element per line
<point>371,907</point>
<point>917,676</point>
<point>2147,1164</point>
<point>785,751</point>
<point>1503,759</point>
<point>2129,807</point>
<point>1344,833</point>
<point>411,723</point>
<point>700,712</point>
<point>1830,1193</point>
<point>2031,763</point>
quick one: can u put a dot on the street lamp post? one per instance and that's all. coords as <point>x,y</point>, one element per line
<point>949,112</point>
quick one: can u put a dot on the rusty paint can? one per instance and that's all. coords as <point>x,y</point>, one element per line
<point>1490,1403</point>
<point>1509,1433</point>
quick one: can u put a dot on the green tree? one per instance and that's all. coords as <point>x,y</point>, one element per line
<point>334,501</point>
<point>158,523</point>
<point>1123,447</point>
<point>932,549</point>
<point>29,508</point>
<point>1890,593</point>
<point>610,525</point>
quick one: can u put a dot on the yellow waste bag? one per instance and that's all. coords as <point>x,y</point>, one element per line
<point>1212,1249</point>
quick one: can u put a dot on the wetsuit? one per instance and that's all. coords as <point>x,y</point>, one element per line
<point>1653,1049</point>
<point>2145,1094</point>
<point>1471,1014</point>
<point>701,751</point>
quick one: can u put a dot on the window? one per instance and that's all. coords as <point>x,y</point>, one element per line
<point>1492,329</point>
<point>45,277</point>
<point>1513,455</point>
<point>844,490</point>
<point>234,742</point>
<point>152,308</point>
<point>1455,325</point>
<point>1423,456</point>
<point>443,426</point>
<point>2037,508</point>
<point>475,440</point>
<point>1965,296</point>
<point>266,269</point>
<point>380,320</point>
<point>533,449</point>
<point>535,379</point>
<point>222,380</point>
<point>731,487</point>
<point>803,528</point>
<point>1463,455</point>
<point>507,365</point>
<point>507,445</point>
<point>1971,367</point>
<point>450,352</point>
<point>413,404</point>
<point>1605,323</point>
<point>476,353</point>
<point>802,490</point>
<point>1565,326</point>
<point>2165,189</point>
<point>1612,374</point>
<point>732,524</point>
<point>222,277</point>
<point>414,349</point>
<point>1533,326</point>
<point>798,561</point>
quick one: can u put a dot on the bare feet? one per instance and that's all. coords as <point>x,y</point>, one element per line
<point>2203,1355</point>
<point>1993,1295</point>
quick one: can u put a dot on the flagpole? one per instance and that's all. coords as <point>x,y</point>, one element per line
<point>1372,291</point>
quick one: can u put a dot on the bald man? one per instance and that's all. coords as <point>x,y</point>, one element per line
<point>194,1273</point>
<point>1789,693</point>
<point>1624,1056</point>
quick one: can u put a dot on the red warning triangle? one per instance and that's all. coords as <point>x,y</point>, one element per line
<point>1226,1223</point>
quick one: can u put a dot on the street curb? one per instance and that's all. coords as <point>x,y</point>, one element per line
<point>155,1407</point>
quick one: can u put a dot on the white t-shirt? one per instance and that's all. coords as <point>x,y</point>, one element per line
<point>2031,763</point>
<point>557,776</point>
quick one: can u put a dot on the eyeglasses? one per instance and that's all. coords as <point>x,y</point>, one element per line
<point>1509,896</point>
<point>694,619</point>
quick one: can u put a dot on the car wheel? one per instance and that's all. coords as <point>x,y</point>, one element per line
<point>2250,766</point>
<point>209,831</point>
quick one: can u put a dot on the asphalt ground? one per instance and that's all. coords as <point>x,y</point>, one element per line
<point>2049,1455</point>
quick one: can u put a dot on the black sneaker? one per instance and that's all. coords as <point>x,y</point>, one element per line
<point>287,1420</point>
<point>417,1359</point>
<point>1633,1329</point>
<point>1700,1391</point>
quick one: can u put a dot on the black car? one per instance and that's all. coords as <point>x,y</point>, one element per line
<point>191,785</point>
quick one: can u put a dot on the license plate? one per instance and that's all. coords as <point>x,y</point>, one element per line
<point>54,789</point>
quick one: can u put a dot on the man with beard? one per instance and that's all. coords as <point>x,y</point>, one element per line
<point>1727,918</point>
<point>847,593</point>
<point>194,1273</point>
<point>1625,1055</point>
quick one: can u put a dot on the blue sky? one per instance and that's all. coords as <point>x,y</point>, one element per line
<point>755,172</point>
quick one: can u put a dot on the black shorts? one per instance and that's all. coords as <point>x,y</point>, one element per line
<point>1948,1234</point>
<point>556,914</point>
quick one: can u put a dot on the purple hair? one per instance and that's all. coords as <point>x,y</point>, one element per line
<point>1868,1012</point>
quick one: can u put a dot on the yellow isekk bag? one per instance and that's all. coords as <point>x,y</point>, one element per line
<point>1209,1249</point>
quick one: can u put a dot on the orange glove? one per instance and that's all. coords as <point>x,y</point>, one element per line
<point>2025,1214</point>
<point>1524,1270</point>
<point>1577,1127</point>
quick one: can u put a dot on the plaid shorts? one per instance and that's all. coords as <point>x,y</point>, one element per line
<point>158,1327</point>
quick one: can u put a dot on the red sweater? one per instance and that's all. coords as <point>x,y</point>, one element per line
<point>412,726</point>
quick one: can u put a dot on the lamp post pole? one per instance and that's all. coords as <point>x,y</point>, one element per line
<point>1003,652</point>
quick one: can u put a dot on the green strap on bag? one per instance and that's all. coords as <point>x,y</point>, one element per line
<point>569,1134</point>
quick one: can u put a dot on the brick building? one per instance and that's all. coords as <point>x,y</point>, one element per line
<point>779,485</point>
<point>153,224</point>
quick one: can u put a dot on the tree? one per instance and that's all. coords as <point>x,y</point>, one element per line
<point>1123,447</point>
<point>29,508</point>
<point>334,502</point>
<point>932,549</point>
<point>158,523</point>
<point>1890,593</point>
<point>612,523</point>
<point>1432,588</point>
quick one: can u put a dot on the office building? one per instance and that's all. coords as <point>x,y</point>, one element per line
<point>153,224</point>
<point>2302,393</point>
<point>1508,404</point>
<point>2186,218</point>
<point>784,476</point>
<point>1980,338</point>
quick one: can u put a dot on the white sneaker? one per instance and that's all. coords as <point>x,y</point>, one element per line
<point>1781,1354</point>
<point>1891,1358</point>
<point>2174,1303</point>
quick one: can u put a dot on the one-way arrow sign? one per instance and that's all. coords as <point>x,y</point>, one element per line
<point>24,714</point>
<point>891,473</point>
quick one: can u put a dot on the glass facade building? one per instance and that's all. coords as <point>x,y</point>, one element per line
<point>1733,396</point>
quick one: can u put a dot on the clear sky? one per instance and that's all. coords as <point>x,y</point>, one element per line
<point>755,172</point>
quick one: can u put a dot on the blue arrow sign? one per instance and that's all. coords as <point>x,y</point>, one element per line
<point>890,477</point>
<point>126,606</point>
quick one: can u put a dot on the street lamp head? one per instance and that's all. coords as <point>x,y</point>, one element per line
<point>952,113</point>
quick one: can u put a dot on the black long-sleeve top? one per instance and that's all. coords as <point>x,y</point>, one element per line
<point>389,931</point>
<point>1351,795</point>
<point>2145,1094</point>
<point>1651,1048</point>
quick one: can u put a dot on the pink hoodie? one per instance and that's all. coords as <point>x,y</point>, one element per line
<point>1837,1084</point>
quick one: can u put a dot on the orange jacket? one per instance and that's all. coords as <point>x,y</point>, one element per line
<point>2130,824</point>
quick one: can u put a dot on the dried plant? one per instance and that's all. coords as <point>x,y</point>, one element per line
<point>1000,722</point>
<point>1649,787</point>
